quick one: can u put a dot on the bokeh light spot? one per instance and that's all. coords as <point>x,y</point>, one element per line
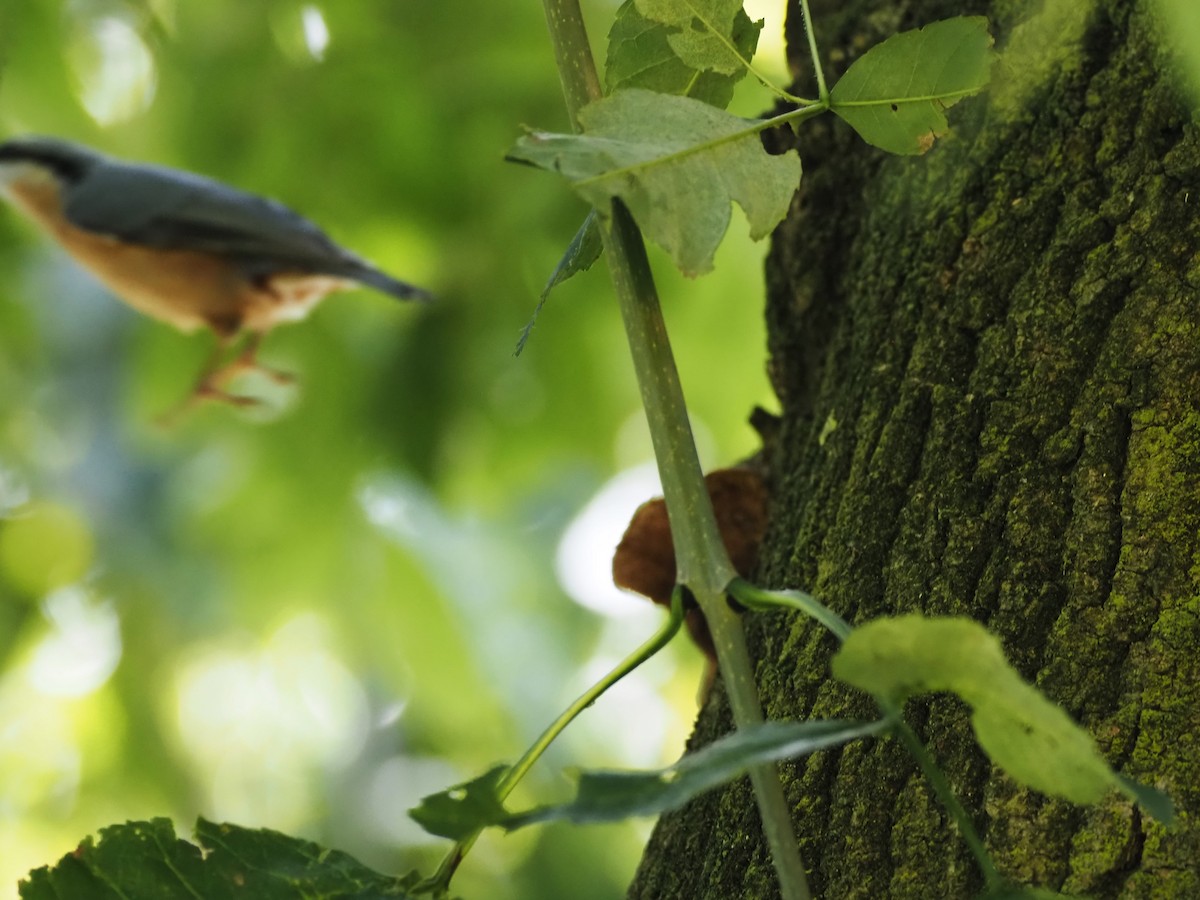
<point>14,492</point>
<point>82,648</point>
<point>316,32</point>
<point>113,68</point>
<point>260,722</point>
<point>584,559</point>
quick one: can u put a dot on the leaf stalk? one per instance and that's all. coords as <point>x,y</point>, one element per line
<point>822,89</point>
<point>945,793</point>
<point>760,599</point>
<point>440,880</point>
<point>703,564</point>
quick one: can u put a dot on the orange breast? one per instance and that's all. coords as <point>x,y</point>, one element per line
<point>185,288</point>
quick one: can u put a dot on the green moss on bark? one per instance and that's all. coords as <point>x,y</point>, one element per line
<point>1006,333</point>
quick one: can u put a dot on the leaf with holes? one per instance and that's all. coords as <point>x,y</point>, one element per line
<point>896,94</point>
<point>676,163</point>
<point>460,811</point>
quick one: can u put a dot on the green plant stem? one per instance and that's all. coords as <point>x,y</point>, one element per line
<point>453,859</point>
<point>703,564</point>
<point>802,102</point>
<point>760,599</point>
<point>822,90</point>
<point>945,793</point>
<point>659,640</point>
<point>573,56</point>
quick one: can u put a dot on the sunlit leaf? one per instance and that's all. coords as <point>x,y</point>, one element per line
<point>146,861</point>
<point>896,95</point>
<point>460,811</point>
<point>1025,734</point>
<point>677,164</point>
<point>611,796</point>
<point>658,54</point>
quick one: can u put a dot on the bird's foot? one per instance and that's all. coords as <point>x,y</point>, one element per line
<point>205,392</point>
<point>213,384</point>
<point>246,362</point>
<point>280,377</point>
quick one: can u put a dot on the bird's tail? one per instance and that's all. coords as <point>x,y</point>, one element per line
<point>372,277</point>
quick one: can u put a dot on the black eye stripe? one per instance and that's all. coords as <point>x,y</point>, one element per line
<point>62,165</point>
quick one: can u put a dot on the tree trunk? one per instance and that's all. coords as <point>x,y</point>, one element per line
<point>988,361</point>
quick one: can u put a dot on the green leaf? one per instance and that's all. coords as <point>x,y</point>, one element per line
<point>146,861</point>
<point>650,53</point>
<point>460,811</point>
<point>895,95</point>
<point>676,163</point>
<point>1152,800</point>
<point>704,35</point>
<point>585,248</point>
<point>1031,738</point>
<point>611,796</point>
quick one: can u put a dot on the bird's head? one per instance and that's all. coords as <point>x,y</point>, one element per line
<point>39,157</point>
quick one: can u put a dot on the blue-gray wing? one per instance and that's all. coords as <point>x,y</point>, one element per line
<point>159,207</point>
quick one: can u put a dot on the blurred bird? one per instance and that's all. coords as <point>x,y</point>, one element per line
<point>185,249</point>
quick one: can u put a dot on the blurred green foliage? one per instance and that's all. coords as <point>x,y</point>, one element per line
<point>308,619</point>
<point>1179,30</point>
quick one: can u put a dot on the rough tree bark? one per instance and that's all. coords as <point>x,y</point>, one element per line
<point>988,361</point>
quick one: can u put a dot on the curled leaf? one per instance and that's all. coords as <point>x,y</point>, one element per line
<point>585,248</point>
